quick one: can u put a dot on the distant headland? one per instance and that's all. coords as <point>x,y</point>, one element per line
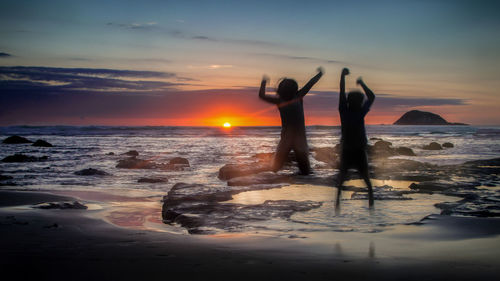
<point>417,117</point>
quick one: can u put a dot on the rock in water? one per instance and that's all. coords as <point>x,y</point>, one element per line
<point>64,205</point>
<point>134,163</point>
<point>42,143</point>
<point>406,151</point>
<point>432,146</point>
<point>417,117</point>
<point>18,158</point>
<point>179,161</point>
<point>448,145</point>
<point>2,177</point>
<point>16,140</point>
<point>91,172</point>
<point>261,178</point>
<point>230,171</point>
<point>382,144</point>
<point>132,153</point>
<point>152,180</point>
<point>326,154</point>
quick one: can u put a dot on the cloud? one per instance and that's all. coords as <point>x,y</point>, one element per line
<point>58,80</point>
<point>324,101</point>
<point>212,66</point>
<point>217,66</point>
<point>5,55</point>
<point>311,59</point>
<point>152,26</point>
<point>56,95</point>
<point>135,26</point>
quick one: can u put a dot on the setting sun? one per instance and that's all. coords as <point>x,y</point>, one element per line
<point>227,125</point>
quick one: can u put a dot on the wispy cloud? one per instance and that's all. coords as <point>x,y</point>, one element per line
<point>304,58</point>
<point>5,55</point>
<point>321,100</point>
<point>211,66</point>
<point>58,80</point>
<point>181,34</point>
<point>135,26</point>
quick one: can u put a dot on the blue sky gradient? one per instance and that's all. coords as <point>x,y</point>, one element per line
<point>416,50</point>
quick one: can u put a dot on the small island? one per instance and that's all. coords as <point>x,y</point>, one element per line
<point>417,117</point>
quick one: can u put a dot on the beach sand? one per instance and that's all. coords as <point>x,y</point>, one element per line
<point>71,245</point>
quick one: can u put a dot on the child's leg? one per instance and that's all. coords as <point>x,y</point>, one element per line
<point>340,183</point>
<point>302,154</point>
<point>281,155</point>
<point>363,170</point>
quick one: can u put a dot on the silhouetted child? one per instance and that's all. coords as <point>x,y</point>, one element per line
<point>293,129</point>
<point>353,141</point>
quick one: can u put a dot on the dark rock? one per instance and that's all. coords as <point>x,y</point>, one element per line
<point>132,153</point>
<point>152,180</point>
<point>487,162</point>
<point>196,207</point>
<point>437,186</point>
<point>189,221</point>
<point>417,117</point>
<point>179,161</point>
<point>64,205</point>
<point>230,171</point>
<point>261,178</point>
<point>185,192</point>
<point>171,167</point>
<point>266,157</point>
<point>18,158</point>
<point>169,215</point>
<point>16,140</point>
<point>432,146</point>
<point>91,172</point>
<point>54,225</point>
<point>326,154</point>
<point>381,149</point>
<point>2,177</point>
<point>42,143</point>
<point>405,151</point>
<point>111,153</point>
<point>381,144</point>
<point>448,145</point>
<point>135,163</point>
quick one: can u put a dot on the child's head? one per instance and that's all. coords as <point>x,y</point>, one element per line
<point>355,100</point>
<point>287,88</point>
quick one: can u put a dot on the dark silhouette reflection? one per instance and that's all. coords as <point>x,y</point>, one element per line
<point>371,250</point>
<point>293,131</point>
<point>353,110</point>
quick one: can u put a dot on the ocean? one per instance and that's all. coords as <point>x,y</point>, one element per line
<point>209,148</point>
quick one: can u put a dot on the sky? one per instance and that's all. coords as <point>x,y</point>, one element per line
<point>200,63</point>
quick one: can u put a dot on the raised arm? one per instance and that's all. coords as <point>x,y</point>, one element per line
<point>369,94</point>
<point>262,92</point>
<point>310,84</point>
<point>342,97</point>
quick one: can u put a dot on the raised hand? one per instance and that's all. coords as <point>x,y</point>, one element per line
<point>320,70</point>
<point>345,71</point>
<point>359,81</point>
<point>265,78</point>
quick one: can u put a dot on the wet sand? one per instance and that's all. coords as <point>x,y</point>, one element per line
<point>70,244</point>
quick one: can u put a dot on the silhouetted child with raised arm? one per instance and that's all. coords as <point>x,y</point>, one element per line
<point>353,141</point>
<point>293,129</point>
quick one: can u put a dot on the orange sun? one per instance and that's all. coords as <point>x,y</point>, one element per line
<point>227,125</point>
